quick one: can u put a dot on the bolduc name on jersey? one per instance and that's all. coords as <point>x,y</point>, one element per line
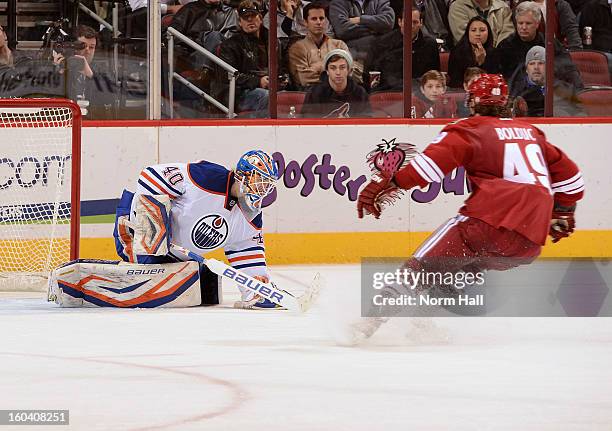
<point>506,133</point>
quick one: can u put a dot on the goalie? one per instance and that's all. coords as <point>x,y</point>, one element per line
<point>198,207</point>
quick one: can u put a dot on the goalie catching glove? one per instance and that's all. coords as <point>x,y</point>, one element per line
<point>562,223</point>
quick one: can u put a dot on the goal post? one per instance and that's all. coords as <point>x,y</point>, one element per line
<point>40,179</point>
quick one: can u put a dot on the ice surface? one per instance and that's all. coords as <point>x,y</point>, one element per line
<point>224,369</point>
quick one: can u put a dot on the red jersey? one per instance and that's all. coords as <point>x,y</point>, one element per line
<point>514,172</point>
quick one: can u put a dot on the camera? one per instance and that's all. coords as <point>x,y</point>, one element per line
<point>68,49</point>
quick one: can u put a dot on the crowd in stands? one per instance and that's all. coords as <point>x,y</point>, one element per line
<point>340,53</point>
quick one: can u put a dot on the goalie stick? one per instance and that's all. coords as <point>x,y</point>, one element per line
<point>266,290</point>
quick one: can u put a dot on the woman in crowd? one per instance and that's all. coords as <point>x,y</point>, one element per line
<point>474,49</point>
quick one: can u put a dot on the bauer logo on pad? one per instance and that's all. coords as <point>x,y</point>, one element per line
<point>209,232</point>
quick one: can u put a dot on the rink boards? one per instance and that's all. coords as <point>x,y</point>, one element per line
<point>312,219</point>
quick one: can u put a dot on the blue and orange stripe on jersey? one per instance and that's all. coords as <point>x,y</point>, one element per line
<point>247,257</point>
<point>155,184</point>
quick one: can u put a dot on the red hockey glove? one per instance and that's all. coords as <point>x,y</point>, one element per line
<point>373,195</point>
<point>562,223</point>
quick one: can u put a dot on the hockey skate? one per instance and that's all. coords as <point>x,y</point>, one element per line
<point>364,329</point>
<point>258,303</point>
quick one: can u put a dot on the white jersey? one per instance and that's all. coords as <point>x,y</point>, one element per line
<point>204,216</point>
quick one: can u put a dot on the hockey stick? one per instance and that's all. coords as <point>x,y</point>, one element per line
<point>266,290</point>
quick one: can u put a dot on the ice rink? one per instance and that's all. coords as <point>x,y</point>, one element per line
<point>224,369</point>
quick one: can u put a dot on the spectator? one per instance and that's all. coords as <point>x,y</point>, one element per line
<point>207,22</point>
<point>470,75</point>
<point>565,26</point>
<point>530,84</point>
<point>15,68</point>
<point>247,51</point>
<point>511,52</point>
<point>386,56</point>
<point>6,54</point>
<point>358,23</point>
<point>597,14</point>
<point>86,79</point>
<point>577,6</point>
<point>496,12</point>
<point>291,21</point>
<point>337,96</point>
<point>430,101</point>
<point>473,50</point>
<point>435,21</point>
<point>306,56</point>
<point>138,20</point>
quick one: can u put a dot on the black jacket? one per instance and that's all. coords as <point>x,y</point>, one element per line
<point>510,55</point>
<point>565,103</point>
<point>323,102</point>
<point>598,15</point>
<point>460,59</point>
<point>387,57</point>
<point>248,54</point>
<point>198,18</point>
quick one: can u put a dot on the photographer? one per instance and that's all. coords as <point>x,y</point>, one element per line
<point>85,81</point>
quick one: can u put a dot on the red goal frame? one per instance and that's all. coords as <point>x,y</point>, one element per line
<point>75,186</point>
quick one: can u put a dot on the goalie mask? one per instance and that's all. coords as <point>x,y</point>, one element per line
<point>257,174</point>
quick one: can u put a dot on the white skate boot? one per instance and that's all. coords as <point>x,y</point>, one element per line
<point>364,329</point>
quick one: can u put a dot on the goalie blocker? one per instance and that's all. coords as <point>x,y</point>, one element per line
<point>100,283</point>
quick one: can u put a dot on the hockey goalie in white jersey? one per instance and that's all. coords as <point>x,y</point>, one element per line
<point>199,207</point>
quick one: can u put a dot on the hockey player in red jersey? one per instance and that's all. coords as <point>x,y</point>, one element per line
<point>523,188</point>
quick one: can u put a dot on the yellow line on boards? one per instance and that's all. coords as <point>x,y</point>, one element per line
<point>350,247</point>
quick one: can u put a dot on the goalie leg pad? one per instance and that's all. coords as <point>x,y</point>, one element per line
<point>84,283</point>
<point>142,227</point>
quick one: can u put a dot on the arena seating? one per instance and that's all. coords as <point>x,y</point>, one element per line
<point>597,103</point>
<point>593,67</point>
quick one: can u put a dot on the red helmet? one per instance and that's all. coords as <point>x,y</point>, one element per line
<point>490,90</point>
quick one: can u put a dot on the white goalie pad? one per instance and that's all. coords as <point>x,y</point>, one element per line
<point>126,285</point>
<point>150,222</point>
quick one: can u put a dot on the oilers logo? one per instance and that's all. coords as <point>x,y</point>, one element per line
<point>209,232</point>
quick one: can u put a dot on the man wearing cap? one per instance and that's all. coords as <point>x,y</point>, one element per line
<point>510,53</point>
<point>247,51</point>
<point>530,84</point>
<point>337,95</point>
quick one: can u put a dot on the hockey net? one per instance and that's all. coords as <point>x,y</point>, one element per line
<point>40,141</point>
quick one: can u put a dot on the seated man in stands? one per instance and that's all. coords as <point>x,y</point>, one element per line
<point>510,53</point>
<point>530,84</point>
<point>306,56</point>
<point>247,51</point>
<point>6,54</point>
<point>386,55</point>
<point>359,24</point>
<point>597,14</point>
<point>206,22</point>
<point>565,24</point>
<point>430,101</point>
<point>138,20</point>
<point>338,95</point>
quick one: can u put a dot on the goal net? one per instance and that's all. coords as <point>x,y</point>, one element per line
<point>40,143</point>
